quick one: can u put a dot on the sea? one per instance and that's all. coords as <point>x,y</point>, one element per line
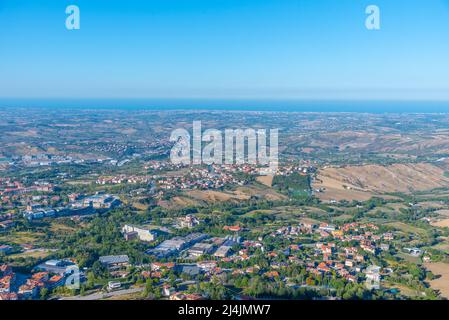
<point>362,106</point>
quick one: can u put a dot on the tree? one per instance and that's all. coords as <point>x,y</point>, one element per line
<point>90,280</point>
<point>149,289</point>
<point>98,269</point>
<point>44,293</point>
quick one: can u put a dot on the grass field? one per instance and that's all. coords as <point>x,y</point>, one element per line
<point>406,228</point>
<point>443,246</point>
<point>405,291</point>
<point>21,237</point>
<point>37,254</point>
<point>442,223</point>
<point>61,228</point>
<point>266,180</point>
<point>442,283</point>
<point>363,182</point>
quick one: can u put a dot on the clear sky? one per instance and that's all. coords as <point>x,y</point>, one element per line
<point>277,49</point>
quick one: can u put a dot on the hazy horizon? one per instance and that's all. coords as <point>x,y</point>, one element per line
<point>269,105</point>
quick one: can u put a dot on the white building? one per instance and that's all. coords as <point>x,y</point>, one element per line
<point>143,234</point>
<point>373,277</point>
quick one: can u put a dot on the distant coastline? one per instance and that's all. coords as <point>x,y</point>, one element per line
<point>235,105</point>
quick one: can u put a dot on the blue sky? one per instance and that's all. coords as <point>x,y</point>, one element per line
<point>235,49</point>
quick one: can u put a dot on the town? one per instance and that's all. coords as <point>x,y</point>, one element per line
<point>119,220</point>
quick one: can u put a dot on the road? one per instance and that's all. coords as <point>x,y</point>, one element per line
<point>101,295</point>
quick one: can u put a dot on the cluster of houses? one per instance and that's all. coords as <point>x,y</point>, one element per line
<point>213,176</point>
<point>251,169</point>
<point>290,169</point>
<point>123,178</point>
<point>233,168</point>
<point>342,251</point>
<point>79,206</point>
<point>9,187</point>
<point>15,191</point>
<point>199,178</point>
<point>50,274</point>
<point>189,221</point>
<point>217,176</point>
<point>161,165</point>
<point>332,254</point>
<point>207,268</point>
